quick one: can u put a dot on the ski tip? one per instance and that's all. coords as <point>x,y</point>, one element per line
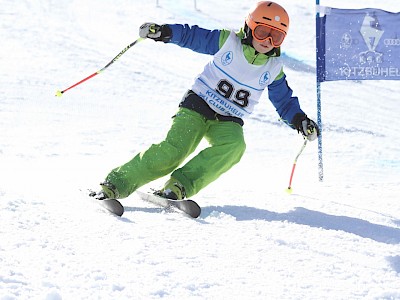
<point>120,212</point>
<point>196,212</point>
<point>113,206</point>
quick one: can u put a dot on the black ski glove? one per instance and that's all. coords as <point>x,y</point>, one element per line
<point>159,33</point>
<point>306,126</point>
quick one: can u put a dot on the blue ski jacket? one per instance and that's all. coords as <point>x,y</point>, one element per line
<point>210,41</point>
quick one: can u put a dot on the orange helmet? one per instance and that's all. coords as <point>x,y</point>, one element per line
<point>272,15</point>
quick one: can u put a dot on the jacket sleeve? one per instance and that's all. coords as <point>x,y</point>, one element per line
<point>195,38</point>
<point>281,97</point>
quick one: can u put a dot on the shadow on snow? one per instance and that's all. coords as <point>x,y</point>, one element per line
<point>303,216</point>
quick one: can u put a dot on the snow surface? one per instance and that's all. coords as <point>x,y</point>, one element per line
<point>336,239</point>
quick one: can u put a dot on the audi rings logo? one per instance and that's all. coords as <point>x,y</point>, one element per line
<point>391,42</point>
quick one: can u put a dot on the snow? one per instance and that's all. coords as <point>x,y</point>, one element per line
<point>336,239</point>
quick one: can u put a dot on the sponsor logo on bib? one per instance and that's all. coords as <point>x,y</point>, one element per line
<point>227,58</point>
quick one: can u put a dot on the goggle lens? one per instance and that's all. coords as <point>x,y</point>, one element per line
<point>263,32</point>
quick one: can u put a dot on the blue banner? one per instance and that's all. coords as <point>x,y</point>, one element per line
<point>358,44</point>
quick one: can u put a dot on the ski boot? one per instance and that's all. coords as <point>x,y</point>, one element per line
<point>172,189</point>
<point>108,191</point>
<point>108,199</point>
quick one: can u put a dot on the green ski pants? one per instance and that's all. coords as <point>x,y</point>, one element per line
<point>226,147</point>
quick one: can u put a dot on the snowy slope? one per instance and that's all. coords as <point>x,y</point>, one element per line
<point>337,239</point>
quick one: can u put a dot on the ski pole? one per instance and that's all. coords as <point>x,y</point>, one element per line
<point>60,93</point>
<point>289,189</point>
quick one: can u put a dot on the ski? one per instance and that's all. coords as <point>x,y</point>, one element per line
<point>111,205</point>
<point>187,206</point>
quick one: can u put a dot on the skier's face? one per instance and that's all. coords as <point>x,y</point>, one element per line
<point>263,47</point>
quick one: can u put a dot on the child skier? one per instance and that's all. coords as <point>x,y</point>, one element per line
<point>243,65</point>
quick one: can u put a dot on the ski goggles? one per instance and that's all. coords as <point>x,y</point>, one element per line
<point>263,32</point>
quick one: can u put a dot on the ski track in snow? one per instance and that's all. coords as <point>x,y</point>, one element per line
<point>339,239</point>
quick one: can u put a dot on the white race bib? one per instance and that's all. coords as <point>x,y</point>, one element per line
<point>232,86</point>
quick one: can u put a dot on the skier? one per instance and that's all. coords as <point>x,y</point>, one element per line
<point>244,64</point>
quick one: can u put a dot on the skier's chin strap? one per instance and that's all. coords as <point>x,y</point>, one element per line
<point>273,53</point>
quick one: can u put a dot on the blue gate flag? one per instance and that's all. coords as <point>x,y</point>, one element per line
<point>358,44</point>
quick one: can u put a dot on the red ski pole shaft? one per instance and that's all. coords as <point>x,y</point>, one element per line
<point>291,175</point>
<point>289,189</point>
<point>59,93</point>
